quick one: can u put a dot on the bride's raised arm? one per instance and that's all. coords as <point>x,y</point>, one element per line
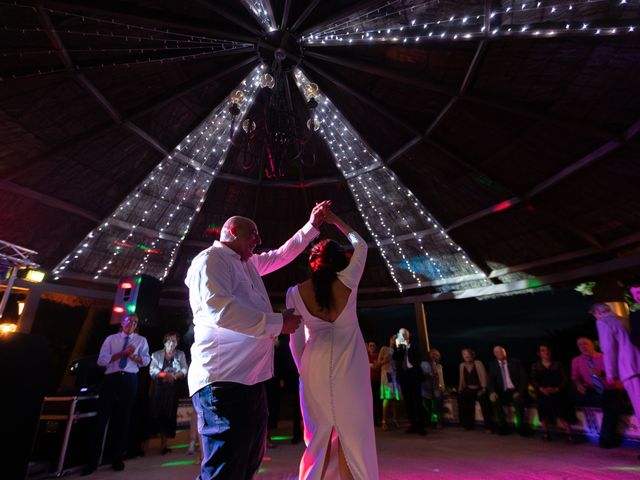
<point>351,275</point>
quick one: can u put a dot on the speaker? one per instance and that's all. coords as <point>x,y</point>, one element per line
<point>139,295</point>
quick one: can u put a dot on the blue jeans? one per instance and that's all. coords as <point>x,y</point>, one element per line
<point>232,422</point>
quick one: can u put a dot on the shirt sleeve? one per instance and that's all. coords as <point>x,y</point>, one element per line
<point>351,275</point>
<point>104,358</point>
<point>182,359</point>
<point>609,346</point>
<point>298,339</point>
<point>272,260</point>
<point>228,311</point>
<point>143,352</point>
<point>575,373</point>
<point>154,366</point>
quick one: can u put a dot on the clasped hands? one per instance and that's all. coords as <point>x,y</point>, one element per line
<point>321,213</point>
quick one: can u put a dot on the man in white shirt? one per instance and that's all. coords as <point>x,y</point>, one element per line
<point>122,354</point>
<point>232,353</point>
<point>621,356</point>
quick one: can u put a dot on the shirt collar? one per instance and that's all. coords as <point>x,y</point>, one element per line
<point>226,250</point>
<point>122,334</point>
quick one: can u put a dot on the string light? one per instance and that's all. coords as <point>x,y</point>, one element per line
<point>262,12</point>
<point>159,212</point>
<point>415,248</point>
<point>395,23</point>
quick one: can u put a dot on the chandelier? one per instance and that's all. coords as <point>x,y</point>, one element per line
<point>273,134</point>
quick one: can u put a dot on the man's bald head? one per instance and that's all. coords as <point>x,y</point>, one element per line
<point>237,221</point>
<point>241,235</point>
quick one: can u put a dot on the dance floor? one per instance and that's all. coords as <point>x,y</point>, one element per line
<point>450,453</point>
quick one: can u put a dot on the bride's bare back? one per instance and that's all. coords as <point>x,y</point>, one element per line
<point>340,294</point>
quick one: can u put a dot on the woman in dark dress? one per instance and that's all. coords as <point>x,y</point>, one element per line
<point>168,366</point>
<point>550,381</point>
<point>472,386</point>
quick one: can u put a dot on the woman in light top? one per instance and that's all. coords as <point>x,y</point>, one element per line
<point>331,356</point>
<point>389,386</point>
<point>168,366</point>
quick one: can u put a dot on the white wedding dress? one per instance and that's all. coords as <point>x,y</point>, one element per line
<point>335,389</point>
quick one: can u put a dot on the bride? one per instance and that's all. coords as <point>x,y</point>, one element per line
<point>331,356</point>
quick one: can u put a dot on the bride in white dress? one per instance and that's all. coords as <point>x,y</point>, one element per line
<point>331,356</point>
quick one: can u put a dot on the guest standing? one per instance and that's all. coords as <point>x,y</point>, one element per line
<point>407,358</point>
<point>168,367</point>
<point>122,354</point>
<point>621,356</point>
<point>389,387</point>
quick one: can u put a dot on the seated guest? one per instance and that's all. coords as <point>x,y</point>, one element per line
<point>593,390</point>
<point>507,385</point>
<point>472,387</point>
<point>550,382</point>
<point>168,366</point>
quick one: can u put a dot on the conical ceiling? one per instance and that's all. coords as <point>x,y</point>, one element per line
<point>472,143</point>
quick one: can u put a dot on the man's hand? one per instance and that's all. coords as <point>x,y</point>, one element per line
<point>319,213</point>
<point>290,321</point>
<point>581,388</point>
<point>129,350</point>
<point>493,397</point>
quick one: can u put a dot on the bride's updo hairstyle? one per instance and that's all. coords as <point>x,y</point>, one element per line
<point>326,259</point>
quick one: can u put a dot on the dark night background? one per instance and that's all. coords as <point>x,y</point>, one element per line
<point>519,323</point>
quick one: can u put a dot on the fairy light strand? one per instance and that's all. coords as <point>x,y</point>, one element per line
<point>414,247</point>
<point>390,23</point>
<point>164,204</point>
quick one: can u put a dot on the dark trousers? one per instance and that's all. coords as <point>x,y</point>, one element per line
<point>410,387</point>
<point>377,402</point>
<point>610,402</point>
<point>505,398</point>
<point>467,407</point>
<point>117,397</point>
<point>232,422</point>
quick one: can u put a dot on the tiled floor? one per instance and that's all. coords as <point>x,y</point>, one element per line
<point>443,454</point>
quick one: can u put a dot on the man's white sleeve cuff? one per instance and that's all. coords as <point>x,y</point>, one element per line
<point>309,228</point>
<point>273,324</point>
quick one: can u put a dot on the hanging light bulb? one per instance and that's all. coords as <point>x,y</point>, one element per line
<point>248,125</point>
<point>311,90</point>
<point>313,124</point>
<point>267,81</point>
<point>237,96</point>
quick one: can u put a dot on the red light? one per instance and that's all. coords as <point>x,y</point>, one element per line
<point>118,309</point>
<point>126,285</point>
<point>502,206</point>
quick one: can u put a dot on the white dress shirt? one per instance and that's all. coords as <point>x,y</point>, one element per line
<point>234,323</point>
<point>114,344</point>
<point>506,378</point>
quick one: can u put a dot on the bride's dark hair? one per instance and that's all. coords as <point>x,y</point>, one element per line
<point>326,259</point>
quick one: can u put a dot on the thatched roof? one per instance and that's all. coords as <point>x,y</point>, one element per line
<point>518,142</point>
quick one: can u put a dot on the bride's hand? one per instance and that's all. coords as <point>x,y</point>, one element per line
<point>330,217</point>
